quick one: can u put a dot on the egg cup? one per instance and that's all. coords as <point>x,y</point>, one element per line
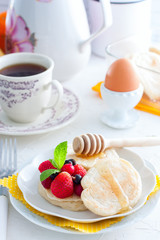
<point>120,112</point>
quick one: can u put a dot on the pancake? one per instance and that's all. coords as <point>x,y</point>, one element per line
<point>73,203</point>
<point>111,187</point>
<point>99,196</point>
<point>130,181</point>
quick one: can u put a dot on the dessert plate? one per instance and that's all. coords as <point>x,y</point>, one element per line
<point>51,120</point>
<point>28,180</point>
<point>127,221</point>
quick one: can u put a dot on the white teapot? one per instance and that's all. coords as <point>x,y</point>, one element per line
<point>57,28</point>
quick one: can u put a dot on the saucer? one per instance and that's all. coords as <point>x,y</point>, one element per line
<point>48,121</point>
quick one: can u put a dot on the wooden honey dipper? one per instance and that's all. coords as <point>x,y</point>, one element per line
<point>90,144</point>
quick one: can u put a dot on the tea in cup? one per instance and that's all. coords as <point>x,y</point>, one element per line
<point>26,86</point>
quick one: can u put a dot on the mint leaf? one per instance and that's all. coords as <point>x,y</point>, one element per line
<point>45,174</point>
<point>60,153</point>
<point>53,163</point>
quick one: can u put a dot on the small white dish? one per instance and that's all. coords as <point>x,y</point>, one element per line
<point>49,121</point>
<point>120,113</point>
<point>28,179</point>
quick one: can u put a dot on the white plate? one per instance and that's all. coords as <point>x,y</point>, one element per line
<point>128,220</point>
<point>51,120</point>
<point>28,180</point>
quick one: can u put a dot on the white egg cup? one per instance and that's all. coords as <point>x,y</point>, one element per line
<point>120,112</point>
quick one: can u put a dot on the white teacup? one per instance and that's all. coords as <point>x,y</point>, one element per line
<point>25,98</point>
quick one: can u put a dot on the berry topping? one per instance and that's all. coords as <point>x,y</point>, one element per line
<point>77,179</point>
<point>62,177</point>
<point>47,183</point>
<point>45,166</point>
<point>62,185</point>
<point>78,169</point>
<point>78,189</point>
<point>68,168</point>
<point>72,161</point>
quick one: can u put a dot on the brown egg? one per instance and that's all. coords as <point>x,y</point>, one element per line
<point>122,76</point>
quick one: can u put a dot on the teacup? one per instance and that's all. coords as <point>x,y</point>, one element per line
<point>25,97</point>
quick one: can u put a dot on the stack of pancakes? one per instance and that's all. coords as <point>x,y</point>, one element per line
<point>112,185</point>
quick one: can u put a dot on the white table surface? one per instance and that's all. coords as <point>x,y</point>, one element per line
<point>88,121</point>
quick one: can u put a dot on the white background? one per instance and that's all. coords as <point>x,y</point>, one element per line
<point>88,121</point>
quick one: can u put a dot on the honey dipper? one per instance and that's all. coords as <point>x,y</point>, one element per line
<point>90,144</point>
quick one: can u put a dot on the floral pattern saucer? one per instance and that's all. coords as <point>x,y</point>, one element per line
<point>50,120</point>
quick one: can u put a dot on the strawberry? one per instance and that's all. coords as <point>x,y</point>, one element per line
<point>45,165</point>
<point>62,185</point>
<point>68,168</point>
<point>47,183</point>
<point>78,189</point>
<point>78,169</point>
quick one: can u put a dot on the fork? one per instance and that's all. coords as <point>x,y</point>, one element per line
<point>8,165</point>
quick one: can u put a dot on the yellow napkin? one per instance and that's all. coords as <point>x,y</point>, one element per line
<point>146,104</point>
<point>11,184</point>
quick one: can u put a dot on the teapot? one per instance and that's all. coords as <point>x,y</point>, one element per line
<point>57,28</point>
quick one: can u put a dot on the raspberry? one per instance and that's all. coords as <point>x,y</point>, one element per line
<point>47,183</point>
<point>78,169</point>
<point>78,189</point>
<point>45,165</point>
<point>68,168</point>
<point>62,185</point>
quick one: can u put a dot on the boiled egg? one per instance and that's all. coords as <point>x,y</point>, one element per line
<point>122,76</point>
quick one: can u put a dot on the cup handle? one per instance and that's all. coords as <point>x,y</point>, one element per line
<point>59,88</point>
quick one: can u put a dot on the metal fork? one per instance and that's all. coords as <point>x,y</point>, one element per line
<point>8,165</point>
<point>8,157</point>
